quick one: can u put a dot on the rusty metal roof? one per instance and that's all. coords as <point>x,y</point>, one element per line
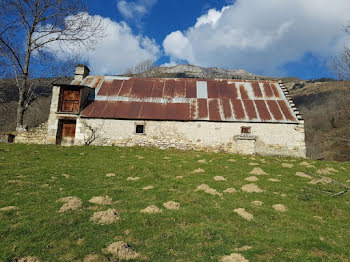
<point>187,100</point>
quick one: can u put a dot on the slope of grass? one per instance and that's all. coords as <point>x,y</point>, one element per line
<point>205,228</point>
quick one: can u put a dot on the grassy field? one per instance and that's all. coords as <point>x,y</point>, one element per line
<point>308,225</point>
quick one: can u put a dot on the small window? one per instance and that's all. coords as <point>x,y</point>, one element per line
<point>140,129</point>
<point>246,130</point>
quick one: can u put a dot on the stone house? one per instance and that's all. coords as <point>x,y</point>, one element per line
<point>236,116</point>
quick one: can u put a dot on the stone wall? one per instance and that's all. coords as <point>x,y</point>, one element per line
<point>33,136</point>
<point>265,138</point>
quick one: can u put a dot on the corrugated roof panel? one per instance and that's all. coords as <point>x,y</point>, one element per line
<point>214,113</point>
<point>126,88</point>
<point>191,88</point>
<point>141,88</point>
<point>158,87</point>
<point>178,111</point>
<point>169,89</point>
<point>275,90</point>
<point>250,109</point>
<point>226,106</point>
<point>262,110</point>
<point>116,86</point>
<point>256,90</point>
<point>229,92</point>
<point>286,111</point>
<point>275,110</point>
<point>153,111</point>
<point>176,99</point>
<point>238,109</point>
<point>243,91</point>
<point>267,90</point>
<point>203,112</point>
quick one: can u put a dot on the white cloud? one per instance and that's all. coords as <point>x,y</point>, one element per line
<point>113,54</point>
<point>135,9</point>
<point>261,35</point>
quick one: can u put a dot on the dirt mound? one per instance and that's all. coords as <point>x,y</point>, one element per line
<point>94,258</point>
<point>274,180</point>
<point>234,257</point>
<point>323,180</point>
<point>230,190</point>
<point>258,171</point>
<point>306,164</point>
<point>110,175</point>
<point>207,189</point>
<point>105,217</point>
<point>179,177</point>
<point>253,164</point>
<point>71,203</point>
<point>232,160</point>
<point>132,178</point>
<point>198,171</point>
<point>241,212</point>
<point>244,248</point>
<point>219,178</point>
<point>302,174</point>
<point>121,250</point>
<point>252,179</point>
<point>9,208</point>
<point>202,161</point>
<point>287,165</point>
<point>326,171</point>
<point>172,205</point>
<point>148,188</point>
<point>101,200</point>
<point>280,208</point>
<point>29,259</point>
<point>66,175</point>
<point>152,209</point>
<point>256,203</point>
<point>252,188</point>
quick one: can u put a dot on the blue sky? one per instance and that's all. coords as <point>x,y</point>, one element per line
<point>270,37</point>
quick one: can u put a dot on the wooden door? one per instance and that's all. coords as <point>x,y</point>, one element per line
<point>66,132</point>
<point>70,101</point>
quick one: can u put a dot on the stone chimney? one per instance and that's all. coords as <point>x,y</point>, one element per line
<point>81,71</point>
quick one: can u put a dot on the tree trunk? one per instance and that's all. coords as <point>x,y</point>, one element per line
<point>20,107</point>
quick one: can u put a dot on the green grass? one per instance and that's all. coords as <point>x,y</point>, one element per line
<point>205,228</point>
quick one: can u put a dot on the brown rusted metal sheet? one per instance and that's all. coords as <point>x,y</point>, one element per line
<point>244,93</point>
<point>203,112</point>
<point>214,113</point>
<point>262,110</point>
<point>158,87</point>
<point>226,106</point>
<point>275,110</point>
<point>191,90</point>
<point>169,89</point>
<point>256,90</point>
<point>250,109</point>
<point>176,99</point>
<point>268,90</point>
<point>275,90</point>
<point>286,110</point>
<point>238,109</point>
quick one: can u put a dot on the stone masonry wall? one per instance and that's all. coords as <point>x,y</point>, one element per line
<point>35,135</point>
<point>265,139</point>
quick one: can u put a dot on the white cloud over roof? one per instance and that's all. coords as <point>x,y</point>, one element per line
<point>261,35</point>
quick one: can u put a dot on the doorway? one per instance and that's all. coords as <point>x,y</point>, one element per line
<point>66,132</point>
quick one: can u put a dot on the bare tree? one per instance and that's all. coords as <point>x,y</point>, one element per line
<point>29,28</point>
<point>141,67</point>
<point>340,65</point>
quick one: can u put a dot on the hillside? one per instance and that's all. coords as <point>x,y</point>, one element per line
<point>324,105</point>
<point>192,71</point>
<point>112,204</point>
